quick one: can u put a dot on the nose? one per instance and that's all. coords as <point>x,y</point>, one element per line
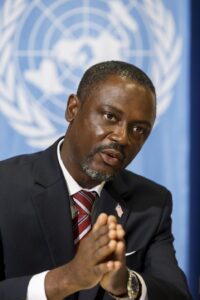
<point>120,134</point>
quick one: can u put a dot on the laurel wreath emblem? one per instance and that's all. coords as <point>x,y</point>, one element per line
<point>165,68</point>
<point>27,117</point>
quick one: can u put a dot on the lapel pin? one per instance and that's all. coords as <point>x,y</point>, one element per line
<point>119,210</point>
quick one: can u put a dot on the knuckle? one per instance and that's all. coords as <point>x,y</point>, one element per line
<point>97,270</point>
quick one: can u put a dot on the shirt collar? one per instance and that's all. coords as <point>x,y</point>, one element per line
<point>72,185</point>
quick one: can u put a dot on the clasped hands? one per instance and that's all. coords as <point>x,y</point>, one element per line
<point>100,258</point>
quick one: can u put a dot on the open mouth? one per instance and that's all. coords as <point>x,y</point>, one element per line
<point>111,157</point>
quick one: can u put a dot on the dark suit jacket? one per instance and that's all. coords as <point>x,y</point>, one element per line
<point>36,229</point>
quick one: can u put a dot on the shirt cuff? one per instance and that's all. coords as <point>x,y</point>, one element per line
<point>144,287</point>
<point>36,289</point>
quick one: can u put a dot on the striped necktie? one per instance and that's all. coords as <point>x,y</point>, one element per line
<point>82,220</point>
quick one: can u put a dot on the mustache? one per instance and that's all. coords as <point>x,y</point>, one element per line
<point>111,146</point>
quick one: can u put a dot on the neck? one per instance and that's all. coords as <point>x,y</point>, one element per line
<point>75,169</point>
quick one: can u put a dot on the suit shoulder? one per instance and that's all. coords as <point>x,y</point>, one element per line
<point>19,160</point>
<point>24,160</point>
<point>17,167</point>
<point>133,180</point>
<point>139,191</point>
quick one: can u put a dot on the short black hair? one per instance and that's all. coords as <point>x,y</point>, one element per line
<point>100,71</point>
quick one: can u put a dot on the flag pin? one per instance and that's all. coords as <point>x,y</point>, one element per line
<point>119,210</point>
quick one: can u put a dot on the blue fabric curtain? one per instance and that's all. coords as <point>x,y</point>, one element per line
<point>40,42</point>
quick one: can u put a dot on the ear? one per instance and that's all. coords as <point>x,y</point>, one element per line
<point>73,105</point>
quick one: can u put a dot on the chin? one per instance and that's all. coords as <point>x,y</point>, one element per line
<point>98,175</point>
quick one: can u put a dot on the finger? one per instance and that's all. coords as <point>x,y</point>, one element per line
<point>99,232</point>
<point>112,225</point>
<point>112,219</point>
<point>117,265</point>
<point>114,266</point>
<point>104,234</point>
<point>120,251</point>
<point>120,232</point>
<point>111,265</point>
<point>104,268</point>
<point>112,233</point>
<point>102,241</point>
<point>112,245</point>
<point>104,252</point>
<point>101,220</point>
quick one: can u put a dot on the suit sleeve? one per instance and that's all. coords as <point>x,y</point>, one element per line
<point>13,288</point>
<point>163,277</point>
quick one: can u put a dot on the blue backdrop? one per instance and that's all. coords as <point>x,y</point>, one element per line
<point>46,45</point>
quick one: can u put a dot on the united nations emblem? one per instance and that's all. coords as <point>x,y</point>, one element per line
<point>46,45</point>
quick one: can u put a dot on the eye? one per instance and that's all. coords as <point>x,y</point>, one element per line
<point>110,116</point>
<point>139,130</point>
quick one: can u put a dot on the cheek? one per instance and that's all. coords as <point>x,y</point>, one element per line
<point>133,151</point>
<point>98,130</point>
<point>96,127</point>
<point>91,135</point>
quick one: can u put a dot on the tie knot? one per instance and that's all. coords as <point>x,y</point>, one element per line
<point>85,200</point>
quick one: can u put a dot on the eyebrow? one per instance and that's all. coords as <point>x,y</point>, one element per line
<point>113,108</point>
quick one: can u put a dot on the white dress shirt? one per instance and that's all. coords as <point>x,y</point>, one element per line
<point>36,288</point>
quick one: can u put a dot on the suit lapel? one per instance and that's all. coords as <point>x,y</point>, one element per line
<point>52,207</point>
<point>112,202</point>
<point>53,211</point>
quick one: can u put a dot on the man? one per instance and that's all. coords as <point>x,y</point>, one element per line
<point>128,253</point>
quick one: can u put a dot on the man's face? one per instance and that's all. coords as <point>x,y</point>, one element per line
<point>107,129</point>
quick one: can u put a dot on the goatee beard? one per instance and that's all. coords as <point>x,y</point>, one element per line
<point>96,175</point>
<point>100,176</point>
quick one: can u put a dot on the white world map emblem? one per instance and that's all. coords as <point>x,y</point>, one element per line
<point>46,46</point>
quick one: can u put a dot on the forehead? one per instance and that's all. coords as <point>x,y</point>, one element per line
<point>123,94</point>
